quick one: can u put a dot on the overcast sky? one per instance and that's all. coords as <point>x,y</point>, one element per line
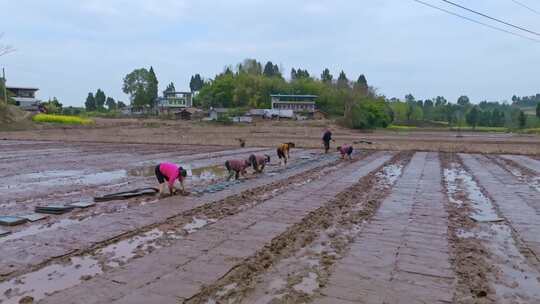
<point>68,48</point>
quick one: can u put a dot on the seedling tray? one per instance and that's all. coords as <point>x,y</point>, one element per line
<point>11,220</point>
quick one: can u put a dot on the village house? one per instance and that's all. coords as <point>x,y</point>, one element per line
<point>216,113</point>
<point>25,97</point>
<point>174,102</point>
<point>296,103</point>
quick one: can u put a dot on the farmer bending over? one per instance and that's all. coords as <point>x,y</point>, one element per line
<point>258,162</point>
<point>236,167</point>
<point>345,150</point>
<point>170,172</point>
<point>283,151</point>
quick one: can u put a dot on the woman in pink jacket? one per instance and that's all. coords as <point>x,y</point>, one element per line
<point>170,172</point>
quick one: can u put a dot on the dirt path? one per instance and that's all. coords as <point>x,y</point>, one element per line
<point>206,255</point>
<point>402,254</point>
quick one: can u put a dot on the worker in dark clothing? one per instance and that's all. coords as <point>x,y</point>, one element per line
<point>258,162</point>
<point>327,137</point>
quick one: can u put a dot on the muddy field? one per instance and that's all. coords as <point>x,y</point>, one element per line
<point>388,226</point>
<point>306,134</point>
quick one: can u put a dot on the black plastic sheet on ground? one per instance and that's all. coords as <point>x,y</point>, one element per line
<point>126,194</point>
<point>53,209</point>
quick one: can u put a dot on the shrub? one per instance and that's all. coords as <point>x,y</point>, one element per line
<point>370,114</point>
<point>225,119</point>
<point>62,119</point>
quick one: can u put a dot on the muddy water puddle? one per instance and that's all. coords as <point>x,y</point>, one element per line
<point>459,180</point>
<point>39,284</point>
<point>513,278</point>
<point>59,178</point>
<point>195,175</point>
<point>40,228</point>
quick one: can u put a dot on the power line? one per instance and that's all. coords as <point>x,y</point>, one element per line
<point>475,21</point>
<point>526,6</point>
<point>492,18</point>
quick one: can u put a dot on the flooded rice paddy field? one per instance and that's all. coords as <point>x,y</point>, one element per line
<point>385,227</point>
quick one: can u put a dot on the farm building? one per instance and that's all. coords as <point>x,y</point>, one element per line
<point>256,114</point>
<point>173,102</point>
<point>296,103</point>
<point>215,113</point>
<point>25,97</point>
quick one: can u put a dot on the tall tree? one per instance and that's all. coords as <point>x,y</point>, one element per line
<point>473,116</point>
<point>497,118</point>
<point>170,88</point>
<point>196,83</point>
<point>342,81</point>
<point>277,71</point>
<point>522,119</point>
<point>538,110</point>
<point>463,100</point>
<point>111,104</point>
<point>440,101</point>
<point>152,87</point>
<point>137,85</point>
<point>409,98</point>
<point>100,100</point>
<point>361,85</point>
<point>293,74</point>
<point>326,77</point>
<point>269,69</point>
<point>90,103</point>
<point>250,66</point>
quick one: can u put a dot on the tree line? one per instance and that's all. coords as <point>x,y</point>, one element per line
<point>354,103</point>
<point>99,102</point>
<point>249,85</point>
<point>461,113</point>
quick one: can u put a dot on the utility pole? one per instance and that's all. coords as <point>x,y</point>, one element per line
<point>4,83</point>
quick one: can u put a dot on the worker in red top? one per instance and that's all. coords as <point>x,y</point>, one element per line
<point>345,150</point>
<point>236,167</point>
<point>258,162</point>
<point>170,172</point>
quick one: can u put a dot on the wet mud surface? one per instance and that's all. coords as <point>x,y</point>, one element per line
<point>387,227</point>
<point>293,274</point>
<point>120,251</point>
<point>492,264</point>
